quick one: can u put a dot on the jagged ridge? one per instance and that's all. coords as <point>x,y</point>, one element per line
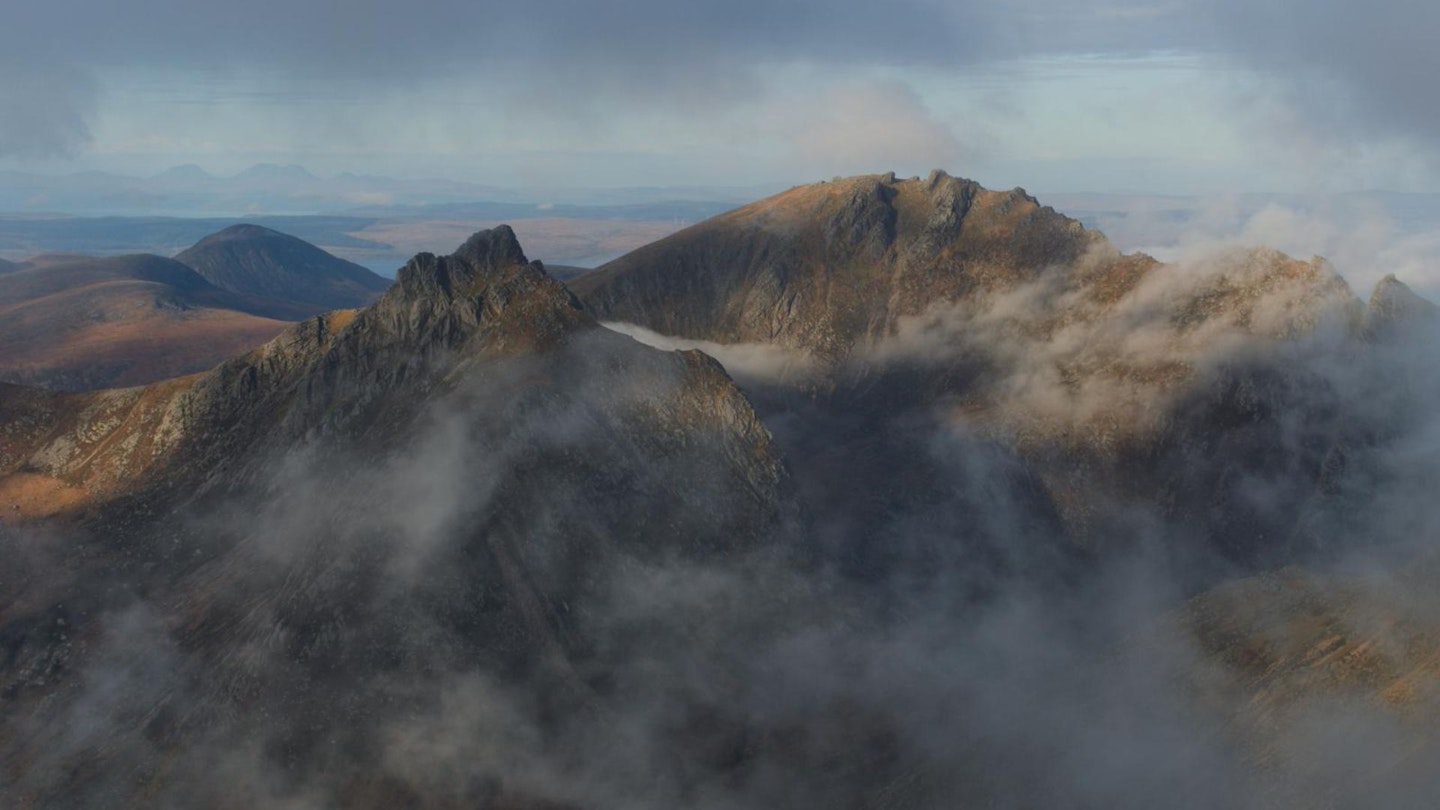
<point>349,370</point>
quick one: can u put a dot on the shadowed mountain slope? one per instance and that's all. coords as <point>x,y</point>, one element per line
<point>256,261</point>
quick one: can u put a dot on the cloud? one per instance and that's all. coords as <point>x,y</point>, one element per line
<point>635,49</point>
<point>758,361</point>
<point>45,111</point>
<point>1351,71</point>
<point>860,126</point>
<point>565,57</point>
<point>1345,75</point>
<point>1365,236</point>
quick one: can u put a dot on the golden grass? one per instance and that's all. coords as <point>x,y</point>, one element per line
<point>31,496</point>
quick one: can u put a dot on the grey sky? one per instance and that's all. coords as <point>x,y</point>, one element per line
<point>1092,94</point>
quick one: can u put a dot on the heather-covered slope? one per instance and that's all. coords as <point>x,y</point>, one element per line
<point>83,322</point>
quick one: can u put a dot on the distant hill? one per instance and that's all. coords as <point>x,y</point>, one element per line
<point>76,322</point>
<point>254,260</point>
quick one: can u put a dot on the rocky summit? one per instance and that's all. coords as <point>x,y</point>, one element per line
<point>824,266</point>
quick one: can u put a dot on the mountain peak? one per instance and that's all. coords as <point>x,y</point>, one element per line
<point>1393,306</point>
<point>243,230</point>
<point>824,266</point>
<point>497,247</point>
<point>488,259</point>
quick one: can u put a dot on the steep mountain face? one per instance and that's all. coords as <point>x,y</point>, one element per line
<point>256,261</point>
<point>421,497</point>
<point>822,267</point>
<point>82,323</point>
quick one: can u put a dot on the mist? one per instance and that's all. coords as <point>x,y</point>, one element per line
<point>485,614</point>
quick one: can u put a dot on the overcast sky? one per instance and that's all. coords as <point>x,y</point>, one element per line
<point>1057,95</point>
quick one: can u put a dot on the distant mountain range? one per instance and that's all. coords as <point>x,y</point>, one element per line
<point>272,189</point>
<point>906,493</point>
<point>190,190</point>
